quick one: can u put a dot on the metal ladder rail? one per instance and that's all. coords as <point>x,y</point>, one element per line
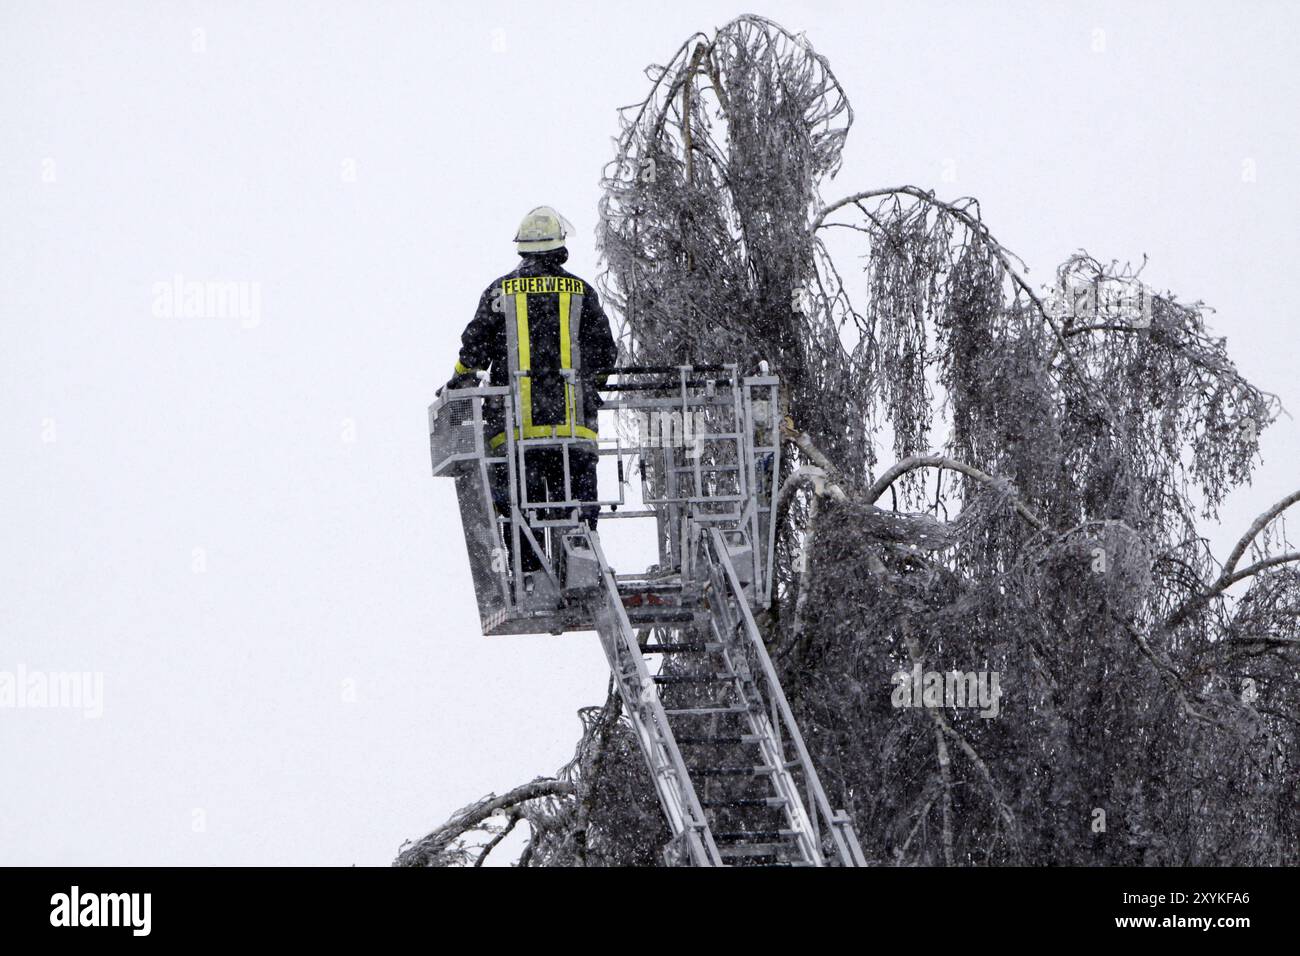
<point>709,663</point>
<point>847,849</point>
<point>723,623</point>
<point>640,695</point>
<point>670,769</point>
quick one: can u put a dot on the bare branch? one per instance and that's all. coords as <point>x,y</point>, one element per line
<point>428,849</point>
<point>894,472</point>
<point>1255,528</point>
<point>514,817</point>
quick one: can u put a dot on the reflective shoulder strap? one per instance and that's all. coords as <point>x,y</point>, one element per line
<point>516,322</point>
<point>570,326</point>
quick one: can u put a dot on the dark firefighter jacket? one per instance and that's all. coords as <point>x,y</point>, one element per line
<point>557,324</point>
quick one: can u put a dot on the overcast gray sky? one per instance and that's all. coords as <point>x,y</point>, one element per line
<point>233,521</point>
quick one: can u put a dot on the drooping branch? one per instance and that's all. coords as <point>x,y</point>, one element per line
<point>897,470</point>
<point>430,848</point>
<point>980,231</point>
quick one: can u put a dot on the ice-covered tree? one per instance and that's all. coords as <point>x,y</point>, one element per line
<point>1054,456</point>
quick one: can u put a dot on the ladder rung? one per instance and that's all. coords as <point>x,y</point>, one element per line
<point>758,771</point>
<point>742,802</point>
<point>706,711</point>
<point>655,614</point>
<point>638,583</point>
<point>694,499</point>
<point>760,836</point>
<point>677,648</point>
<point>756,849</point>
<point>718,739</point>
<point>692,679</point>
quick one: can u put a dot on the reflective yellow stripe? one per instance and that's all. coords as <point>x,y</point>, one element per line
<point>547,431</point>
<point>566,354</point>
<point>526,382</point>
<point>463,369</point>
<point>566,357</point>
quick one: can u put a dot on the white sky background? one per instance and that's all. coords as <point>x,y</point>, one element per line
<point>330,560</point>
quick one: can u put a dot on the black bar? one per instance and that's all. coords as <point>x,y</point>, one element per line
<point>657,369</point>
<point>364,907</point>
<point>661,386</point>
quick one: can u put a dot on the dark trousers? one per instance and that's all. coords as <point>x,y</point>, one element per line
<point>544,479</point>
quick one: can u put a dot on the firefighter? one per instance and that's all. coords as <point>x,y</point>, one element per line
<point>547,322</point>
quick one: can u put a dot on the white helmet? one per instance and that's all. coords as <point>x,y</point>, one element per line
<point>542,230</point>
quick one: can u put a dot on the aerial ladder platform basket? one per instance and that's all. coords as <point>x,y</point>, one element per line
<point>732,771</point>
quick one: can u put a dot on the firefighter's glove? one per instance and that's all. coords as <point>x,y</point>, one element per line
<point>465,380</point>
